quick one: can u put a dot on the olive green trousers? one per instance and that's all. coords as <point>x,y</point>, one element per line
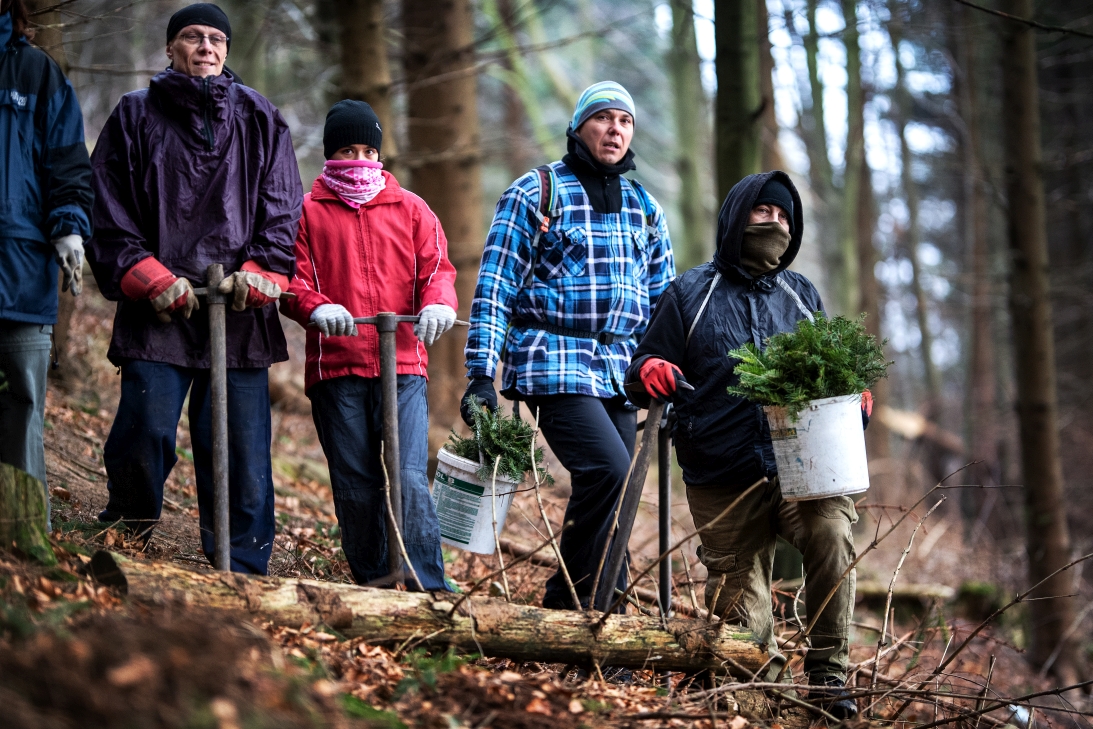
<point>740,547</point>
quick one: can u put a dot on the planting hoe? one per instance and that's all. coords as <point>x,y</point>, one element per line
<point>631,500</point>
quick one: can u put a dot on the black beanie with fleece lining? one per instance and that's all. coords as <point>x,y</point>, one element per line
<point>351,122</point>
<point>199,14</point>
<point>775,193</point>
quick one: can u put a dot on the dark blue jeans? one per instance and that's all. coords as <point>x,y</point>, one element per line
<point>348,413</point>
<point>594,440</point>
<point>140,453</point>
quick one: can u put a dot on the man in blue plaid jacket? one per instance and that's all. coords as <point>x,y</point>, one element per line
<point>574,263</point>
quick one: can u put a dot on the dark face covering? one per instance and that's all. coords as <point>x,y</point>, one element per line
<point>763,246</point>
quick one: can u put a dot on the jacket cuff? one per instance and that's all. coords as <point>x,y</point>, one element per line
<point>147,279</point>
<point>300,308</point>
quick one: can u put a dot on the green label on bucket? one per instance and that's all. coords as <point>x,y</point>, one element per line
<point>457,503</point>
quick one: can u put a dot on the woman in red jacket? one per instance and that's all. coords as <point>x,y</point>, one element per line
<point>364,246</point>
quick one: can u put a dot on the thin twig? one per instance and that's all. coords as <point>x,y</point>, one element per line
<point>496,536</point>
<point>986,690</point>
<point>690,583</point>
<point>712,612</point>
<point>1026,21</point>
<point>493,574</point>
<point>610,535</point>
<point>394,523</point>
<point>549,528</point>
<point>892,586</point>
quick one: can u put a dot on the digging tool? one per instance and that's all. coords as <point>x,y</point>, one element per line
<point>386,323</point>
<point>218,377</point>
<point>218,385</point>
<point>631,498</point>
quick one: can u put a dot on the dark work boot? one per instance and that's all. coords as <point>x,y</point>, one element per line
<point>830,694</point>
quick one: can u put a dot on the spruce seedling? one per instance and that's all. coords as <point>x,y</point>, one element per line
<point>497,435</point>
<point>825,358</point>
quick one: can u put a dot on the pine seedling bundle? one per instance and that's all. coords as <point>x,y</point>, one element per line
<point>825,358</point>
<point>496,435</point>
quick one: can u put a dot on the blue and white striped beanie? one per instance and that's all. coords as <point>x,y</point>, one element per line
<point>599,96</point>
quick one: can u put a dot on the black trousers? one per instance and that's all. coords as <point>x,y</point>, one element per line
<point>594,440</point>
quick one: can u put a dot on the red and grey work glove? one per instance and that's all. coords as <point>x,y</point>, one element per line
<point>866,408</point>
<point>660,378</point>
<point>253,286</point>
<point>168,293</point>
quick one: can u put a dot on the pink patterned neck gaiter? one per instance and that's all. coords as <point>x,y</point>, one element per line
<point>356,181</point>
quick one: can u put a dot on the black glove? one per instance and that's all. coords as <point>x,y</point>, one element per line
<point>482,388</point>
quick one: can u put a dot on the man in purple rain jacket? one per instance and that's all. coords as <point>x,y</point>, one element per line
<point>195,169</point>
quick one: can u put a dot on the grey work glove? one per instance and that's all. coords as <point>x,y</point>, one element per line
<point>69,254</point>
<point>434,320</point>
<point>167,303</point>
<point>334,320</point>
<point>249,289</point>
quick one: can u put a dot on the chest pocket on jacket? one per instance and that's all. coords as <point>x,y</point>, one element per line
<point>641,254</point>
<point>562,253</point>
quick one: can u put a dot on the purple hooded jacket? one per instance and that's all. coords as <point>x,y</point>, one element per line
<point>194,171</point>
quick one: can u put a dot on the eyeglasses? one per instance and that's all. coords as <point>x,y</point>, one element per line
<point>196,39</point>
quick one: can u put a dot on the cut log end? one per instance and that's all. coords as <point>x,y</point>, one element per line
<point>23,504</point>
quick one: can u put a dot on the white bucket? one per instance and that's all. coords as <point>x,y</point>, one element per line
<point>462,503</point>
<point>823,453</point>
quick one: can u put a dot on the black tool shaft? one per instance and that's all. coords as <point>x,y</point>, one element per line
<point>664,510</point>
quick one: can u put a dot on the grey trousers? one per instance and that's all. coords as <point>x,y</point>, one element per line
<point>24,362</point>
<point>740,547</point>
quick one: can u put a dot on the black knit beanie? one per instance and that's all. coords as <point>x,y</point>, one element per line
<point>775,193</point>
<point>199,14</point>
<point>351,122</point>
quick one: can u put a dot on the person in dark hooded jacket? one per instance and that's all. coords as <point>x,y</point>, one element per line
<point>723,442</point>
<point>194,170</point>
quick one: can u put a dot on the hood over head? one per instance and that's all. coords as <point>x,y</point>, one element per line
<point>733,219</point>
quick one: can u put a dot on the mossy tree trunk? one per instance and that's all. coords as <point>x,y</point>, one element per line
<point>23,515</point>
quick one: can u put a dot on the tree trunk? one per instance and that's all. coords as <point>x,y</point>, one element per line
<point>739,152</point>
<point>366,74</point>
<point>910,194</point>
<point>771,152</point>
<point>489,625</point>
<point>877,436</point>
<point>981,433</point>
<point>695,246</point>
<point>1037,408</point>
<point>849,299</point>
<point>23,506</point>
<point>250,43</point>
<point>444,160</point>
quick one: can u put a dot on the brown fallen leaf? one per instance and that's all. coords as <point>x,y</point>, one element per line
<point>538,706</point>
<point>576,707</point>
<point>136,670</point>
<point>737,722</point>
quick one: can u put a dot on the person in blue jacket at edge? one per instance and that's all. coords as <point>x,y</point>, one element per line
<point>45,216</point>
<point>723,442</point>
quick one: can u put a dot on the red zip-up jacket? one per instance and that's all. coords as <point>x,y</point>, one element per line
<point>388,255</point>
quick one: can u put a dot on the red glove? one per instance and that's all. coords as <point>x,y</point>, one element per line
<point>659,377</point>
<point>867,403</point>
<point>149,279</point>
<point>253,286</point>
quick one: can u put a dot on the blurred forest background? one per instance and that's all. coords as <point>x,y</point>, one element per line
<point>943,152</point>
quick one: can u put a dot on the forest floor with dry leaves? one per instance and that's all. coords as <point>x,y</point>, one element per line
<point>77,654</point>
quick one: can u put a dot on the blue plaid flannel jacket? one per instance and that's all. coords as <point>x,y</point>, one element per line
<point>593,272</point>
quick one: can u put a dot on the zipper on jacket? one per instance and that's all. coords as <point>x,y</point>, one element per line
<point>205,113</point>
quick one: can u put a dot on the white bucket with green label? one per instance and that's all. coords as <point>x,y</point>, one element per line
<point>463,506</point>
<point>821,453</point>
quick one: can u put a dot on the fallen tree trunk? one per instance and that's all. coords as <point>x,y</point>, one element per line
<point>479,624</point>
